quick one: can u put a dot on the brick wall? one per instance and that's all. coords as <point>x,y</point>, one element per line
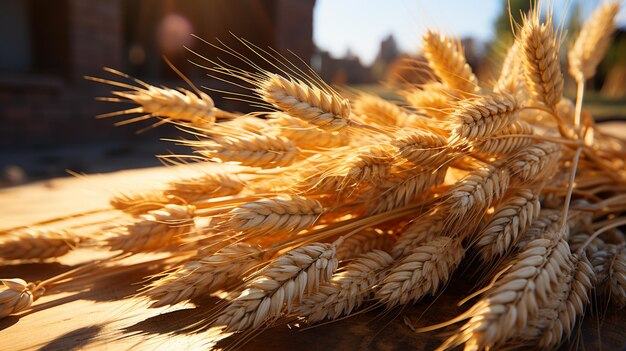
<point>51,104</point>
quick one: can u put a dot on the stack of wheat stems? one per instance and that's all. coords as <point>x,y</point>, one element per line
<point>342,203</point>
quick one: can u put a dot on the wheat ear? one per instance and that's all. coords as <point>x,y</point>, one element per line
<point>592,42</point>
<point>400,190</point>
<point>422,272</point>
<point>368,164</point>
<point>556,320</point>
<point>287,213</point>
<point>483,117</point>
<point>138,202</point>
<point>510,219</point>
<point>205,186</point>
<point>362,242</point>
<point>179,104</point>
<point>265,151</point>
<point>307,136</point>
<point>37,243</point>
<point>506,141</point>
<point>477,191</point>
<point>445,56</point>
<point>511,76</point>
<point>374,110</point>
<point>609,263</point>
<point>422,147</point>
<point>535,161</point>
<point>577,240</point>
<point>323,109</point>
<point>422,229</point>
<point>348,289</point>
<point>542,65</point>
<point>515,296</point>
<point>245,123</point>
<point>545,226</point>
<point>16,296</point>
<point>283,282</point>
<point>204,275</point>
<point>433,99</point>
<point>154,230</point>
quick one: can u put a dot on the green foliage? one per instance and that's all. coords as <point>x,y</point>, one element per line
<point>504,35</point>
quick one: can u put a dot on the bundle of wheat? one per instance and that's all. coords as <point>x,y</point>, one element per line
<point>339,203</point>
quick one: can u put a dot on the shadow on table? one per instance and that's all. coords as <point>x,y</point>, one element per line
<point>73,340</point>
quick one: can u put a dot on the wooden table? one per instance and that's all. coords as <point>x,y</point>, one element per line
<point>94,315</point>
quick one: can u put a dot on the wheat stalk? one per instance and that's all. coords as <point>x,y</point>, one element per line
<point>37,243</point>
<point>280,284</point>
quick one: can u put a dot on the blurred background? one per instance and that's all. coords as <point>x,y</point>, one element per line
<point>47,108</point>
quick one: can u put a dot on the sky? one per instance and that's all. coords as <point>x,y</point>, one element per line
<point>360,25</point>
